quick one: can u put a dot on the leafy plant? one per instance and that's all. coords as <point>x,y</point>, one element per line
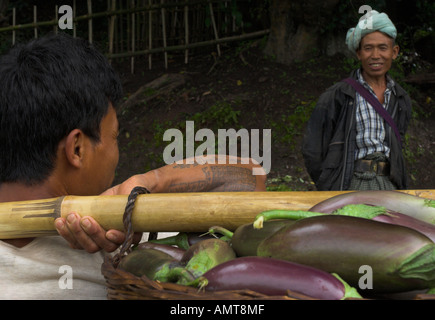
<point>289,126</point>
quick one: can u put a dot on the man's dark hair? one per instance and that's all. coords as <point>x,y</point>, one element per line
<point>48,87</point>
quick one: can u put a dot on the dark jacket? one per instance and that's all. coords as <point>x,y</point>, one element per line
<point>329,140</point>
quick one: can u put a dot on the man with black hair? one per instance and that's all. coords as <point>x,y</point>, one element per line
<point>58,136</point>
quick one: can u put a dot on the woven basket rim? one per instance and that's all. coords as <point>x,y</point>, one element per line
<point>123,285</point>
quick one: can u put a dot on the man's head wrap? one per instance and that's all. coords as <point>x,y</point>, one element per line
<point>373,21</point>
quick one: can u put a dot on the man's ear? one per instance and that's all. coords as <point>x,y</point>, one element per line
<point>358,54</point>
<point>396,50</point>
<point>74,147</point>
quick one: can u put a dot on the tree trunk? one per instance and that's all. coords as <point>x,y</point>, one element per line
<point>295,28</point>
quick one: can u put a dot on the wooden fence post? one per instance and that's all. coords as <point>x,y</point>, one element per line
<point>14,21</point>
<point>214,28</point>
<point>74,17</point>
<point>56,18</point>
<point>133,36</point>
<point>111,7</point>
<point>186,33</point>
<point>35,21</point>
<point>150,38</point>
<point>90,22</point>
<point>164,35</point>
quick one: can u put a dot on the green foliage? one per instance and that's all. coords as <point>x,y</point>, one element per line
<point>286,129</point>
<point>350,64</point>
<point>412,152</point>
<point>287,183</point>
<point>220,115</point>
<point>426,13</point>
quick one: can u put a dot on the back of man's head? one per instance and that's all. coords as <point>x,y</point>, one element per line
<point>49,87</point>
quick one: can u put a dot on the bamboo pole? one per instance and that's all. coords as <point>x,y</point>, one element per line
<point>74,17</point>
<point>133,37</point>
<point>14,20</point>
<point>186,33</point>
<point>112,6</point>
<point>214,28</point>
<point>90,31</point>
<point>35,21</point>
<point>128,27</point>
<point>226,17</point>
<point>160,212</point>
<point>143,27</point>
<point>164,35</point>
<point>192,45</point>
<point>56,18</point>
<point>150,36</point>
<point>109,23</point>
<point>121,30</point>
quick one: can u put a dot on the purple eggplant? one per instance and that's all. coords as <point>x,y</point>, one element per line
<point>274,277</point>
<point>400,219</point>
<point>174,252</point>
<point>395,201</point>
<point>375,213</point>
<point>401,259</point>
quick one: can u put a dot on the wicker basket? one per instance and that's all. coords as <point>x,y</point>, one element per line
<point>122,285</point>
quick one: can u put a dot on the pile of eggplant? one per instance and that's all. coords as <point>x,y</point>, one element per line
<point>317,253</point>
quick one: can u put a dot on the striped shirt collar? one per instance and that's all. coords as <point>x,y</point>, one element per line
<point>390,82</point>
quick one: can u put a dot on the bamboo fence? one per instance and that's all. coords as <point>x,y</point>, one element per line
<point>146,27</point>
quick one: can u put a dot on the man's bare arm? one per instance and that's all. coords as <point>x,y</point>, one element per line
<point>192,176</point>
<point>85,233</point>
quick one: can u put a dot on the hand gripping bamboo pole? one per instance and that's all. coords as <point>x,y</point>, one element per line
<point>160,212</point>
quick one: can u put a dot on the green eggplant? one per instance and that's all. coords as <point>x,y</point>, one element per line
<point>155,265</point>
<point>204,255</point>
<point>397,257</point>
<point>175,252</point>
<point>245,239</point>
<point>183,240</point>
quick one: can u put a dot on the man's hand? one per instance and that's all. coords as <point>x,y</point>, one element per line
<point>85,233</point>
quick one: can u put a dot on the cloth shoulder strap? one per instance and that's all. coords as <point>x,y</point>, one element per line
<point>375,104</point>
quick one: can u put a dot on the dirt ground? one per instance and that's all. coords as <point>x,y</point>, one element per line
<point>243,88</point>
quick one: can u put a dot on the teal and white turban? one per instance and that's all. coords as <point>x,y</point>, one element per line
<point>373,21</point>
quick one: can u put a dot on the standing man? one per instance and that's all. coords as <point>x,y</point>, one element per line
<point>347,144</point>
